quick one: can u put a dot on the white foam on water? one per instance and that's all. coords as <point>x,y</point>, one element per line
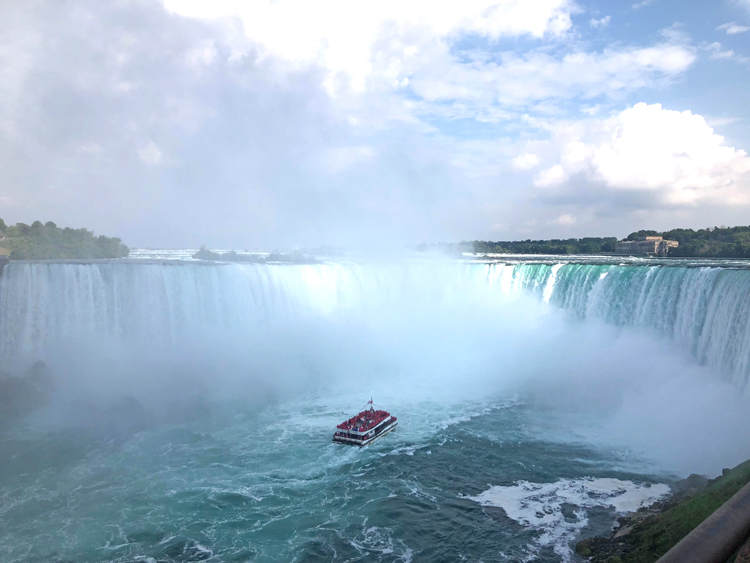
<point>375,539</point>
<point>202,549</point>
<point>540,505</point>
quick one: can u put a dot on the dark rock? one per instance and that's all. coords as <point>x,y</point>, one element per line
<point>644,535</point>
<point>692,483</point>
<point>623,531</point>
<point>231,256</point>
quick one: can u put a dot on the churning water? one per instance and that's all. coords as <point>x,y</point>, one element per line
<point>194,406</point>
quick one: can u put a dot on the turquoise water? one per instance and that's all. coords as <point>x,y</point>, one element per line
<point>236,486</point>
<point>194,406</point>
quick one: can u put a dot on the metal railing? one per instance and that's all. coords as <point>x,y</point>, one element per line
<point>716,538</point>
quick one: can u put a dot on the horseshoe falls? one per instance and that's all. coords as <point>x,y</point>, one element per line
<point>187,408</point>
<point>705,310</point>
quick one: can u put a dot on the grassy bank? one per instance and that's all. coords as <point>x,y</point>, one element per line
<point>645,536</point>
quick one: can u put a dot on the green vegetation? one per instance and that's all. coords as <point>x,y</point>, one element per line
<point>719,242</point>
<point>293,258</point>
<point>653,536</point>
<point>658,535</point>
<point>716,242</point>
<point>206,254</point>
<point>48,241</point>
<point>589,245</point>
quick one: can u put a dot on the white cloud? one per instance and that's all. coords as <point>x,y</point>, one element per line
<point>341,35</point>
<point>201,56</point>
<point>550,177</point>
<point>720,121</point>
<point>150,154</point>
<point>732,28</point>
<point>90,148</point>
<point>18,46</point>
<point>521,80</point>
<point>602,22</point>
<point>717,52</point>
<point>112,84</point>
<point>526,161</point>
<point>341,158</point>
<point>590,110</point>
<point>718,55</point>
<point>674,155</point>
<point>642,4</point>
<point>565,220</point>
<point>404,53</point>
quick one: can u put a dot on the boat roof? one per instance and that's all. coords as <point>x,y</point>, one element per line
<point>365,420</point>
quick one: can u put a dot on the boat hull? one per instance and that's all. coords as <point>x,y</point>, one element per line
<point>361,443</point>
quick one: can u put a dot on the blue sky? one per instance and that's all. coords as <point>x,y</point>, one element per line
<point>253,124</point>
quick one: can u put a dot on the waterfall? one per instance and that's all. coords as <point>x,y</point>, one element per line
<point>40,302</point>
<point>158,304</point>
<point>705,310</point>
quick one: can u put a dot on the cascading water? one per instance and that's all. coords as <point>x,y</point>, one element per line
<point>220,386</point>
<point>704,310</point>
<point>40,304</point>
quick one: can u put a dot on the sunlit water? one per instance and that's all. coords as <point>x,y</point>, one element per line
<point>526,418</point>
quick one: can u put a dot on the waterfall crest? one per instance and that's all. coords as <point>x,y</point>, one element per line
<point>704,310</point>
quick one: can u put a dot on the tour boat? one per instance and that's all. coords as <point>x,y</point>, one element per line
<point>364,428</point>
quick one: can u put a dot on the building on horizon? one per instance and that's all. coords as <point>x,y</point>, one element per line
<point>650,245</point>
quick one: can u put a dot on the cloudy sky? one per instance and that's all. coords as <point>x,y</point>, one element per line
<point>267,124</point>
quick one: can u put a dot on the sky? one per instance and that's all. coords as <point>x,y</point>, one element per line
<point>273,124</point>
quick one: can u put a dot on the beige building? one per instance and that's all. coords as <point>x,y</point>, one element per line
<point>653,246</point>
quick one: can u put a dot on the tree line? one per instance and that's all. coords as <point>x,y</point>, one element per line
<point>716,242</point>
<point>588,245</point>
<point>712,242</point>
<point>40,241</point>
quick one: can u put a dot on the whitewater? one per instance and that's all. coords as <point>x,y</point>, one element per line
<point>194,405</point>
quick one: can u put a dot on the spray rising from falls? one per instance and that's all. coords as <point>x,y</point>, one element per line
<point>163,305</point>
<point>704,310</point>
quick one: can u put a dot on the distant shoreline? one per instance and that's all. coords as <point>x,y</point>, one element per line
<point>509,259</point>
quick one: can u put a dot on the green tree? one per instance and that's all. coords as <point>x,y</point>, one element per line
<point>48,241</point>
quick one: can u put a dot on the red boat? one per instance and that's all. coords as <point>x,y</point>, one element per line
<point>364,428</point>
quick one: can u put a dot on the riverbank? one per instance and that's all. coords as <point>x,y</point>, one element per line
<point>646,535</point>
